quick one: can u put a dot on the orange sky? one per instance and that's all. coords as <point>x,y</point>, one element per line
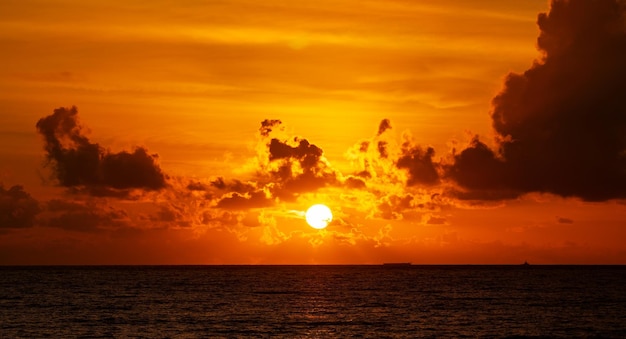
<point>193,82</point>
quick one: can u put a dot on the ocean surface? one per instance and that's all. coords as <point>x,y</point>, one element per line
<point>312,301</point>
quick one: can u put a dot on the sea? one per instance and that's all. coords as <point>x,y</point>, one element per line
<point>312,301</point>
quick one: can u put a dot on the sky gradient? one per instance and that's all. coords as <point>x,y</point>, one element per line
<point>189,132</point>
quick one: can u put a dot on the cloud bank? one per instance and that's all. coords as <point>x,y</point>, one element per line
<point>560,125</point>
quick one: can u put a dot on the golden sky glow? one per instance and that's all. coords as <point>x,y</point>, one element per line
<point>258,110</point>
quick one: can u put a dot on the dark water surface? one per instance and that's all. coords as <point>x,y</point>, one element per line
<point>312,301</point>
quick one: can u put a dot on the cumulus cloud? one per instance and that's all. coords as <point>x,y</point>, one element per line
<point>561,125</point>
<point>307,154</point>
<point>285,168</point>
<point>293,165</point>
<point>378,162</point>
<point>17,208</point>
<point>78,163</point>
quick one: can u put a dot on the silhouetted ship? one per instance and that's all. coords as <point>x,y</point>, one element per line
<point>397,264</point>
<point>525,263</point>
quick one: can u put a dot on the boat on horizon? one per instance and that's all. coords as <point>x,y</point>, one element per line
<point>397,264</point>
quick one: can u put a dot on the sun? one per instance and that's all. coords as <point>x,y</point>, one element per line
<point>318,216</point>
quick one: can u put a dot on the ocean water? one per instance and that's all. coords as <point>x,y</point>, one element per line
<point>312,301</point>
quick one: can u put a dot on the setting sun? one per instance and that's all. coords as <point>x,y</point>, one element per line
<point>318,216</point>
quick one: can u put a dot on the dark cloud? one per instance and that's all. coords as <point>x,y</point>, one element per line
<point>295,166</point>
<point>267,125</point>
<point>104,192</point>
<point>167,214</point>
<point>416,160</point>
<point>257,199</point>
<point>196,186</point>
<point>432,220</point>
<point>173,215</point>
<point>77,162</point>
<point>419,164</point>
<point>562,220</point>
<point>385,124</point>
<point>233,185</point>
<point>364,174</point>
<point>82,216</point>
<point>307,154</point>
<point>287,168</point>
<point>482,174</point>
<point>132,170</point>
<point>561,125</point>
<point>17,208</point>
<point>305,182</point>
<point>353,182</point>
